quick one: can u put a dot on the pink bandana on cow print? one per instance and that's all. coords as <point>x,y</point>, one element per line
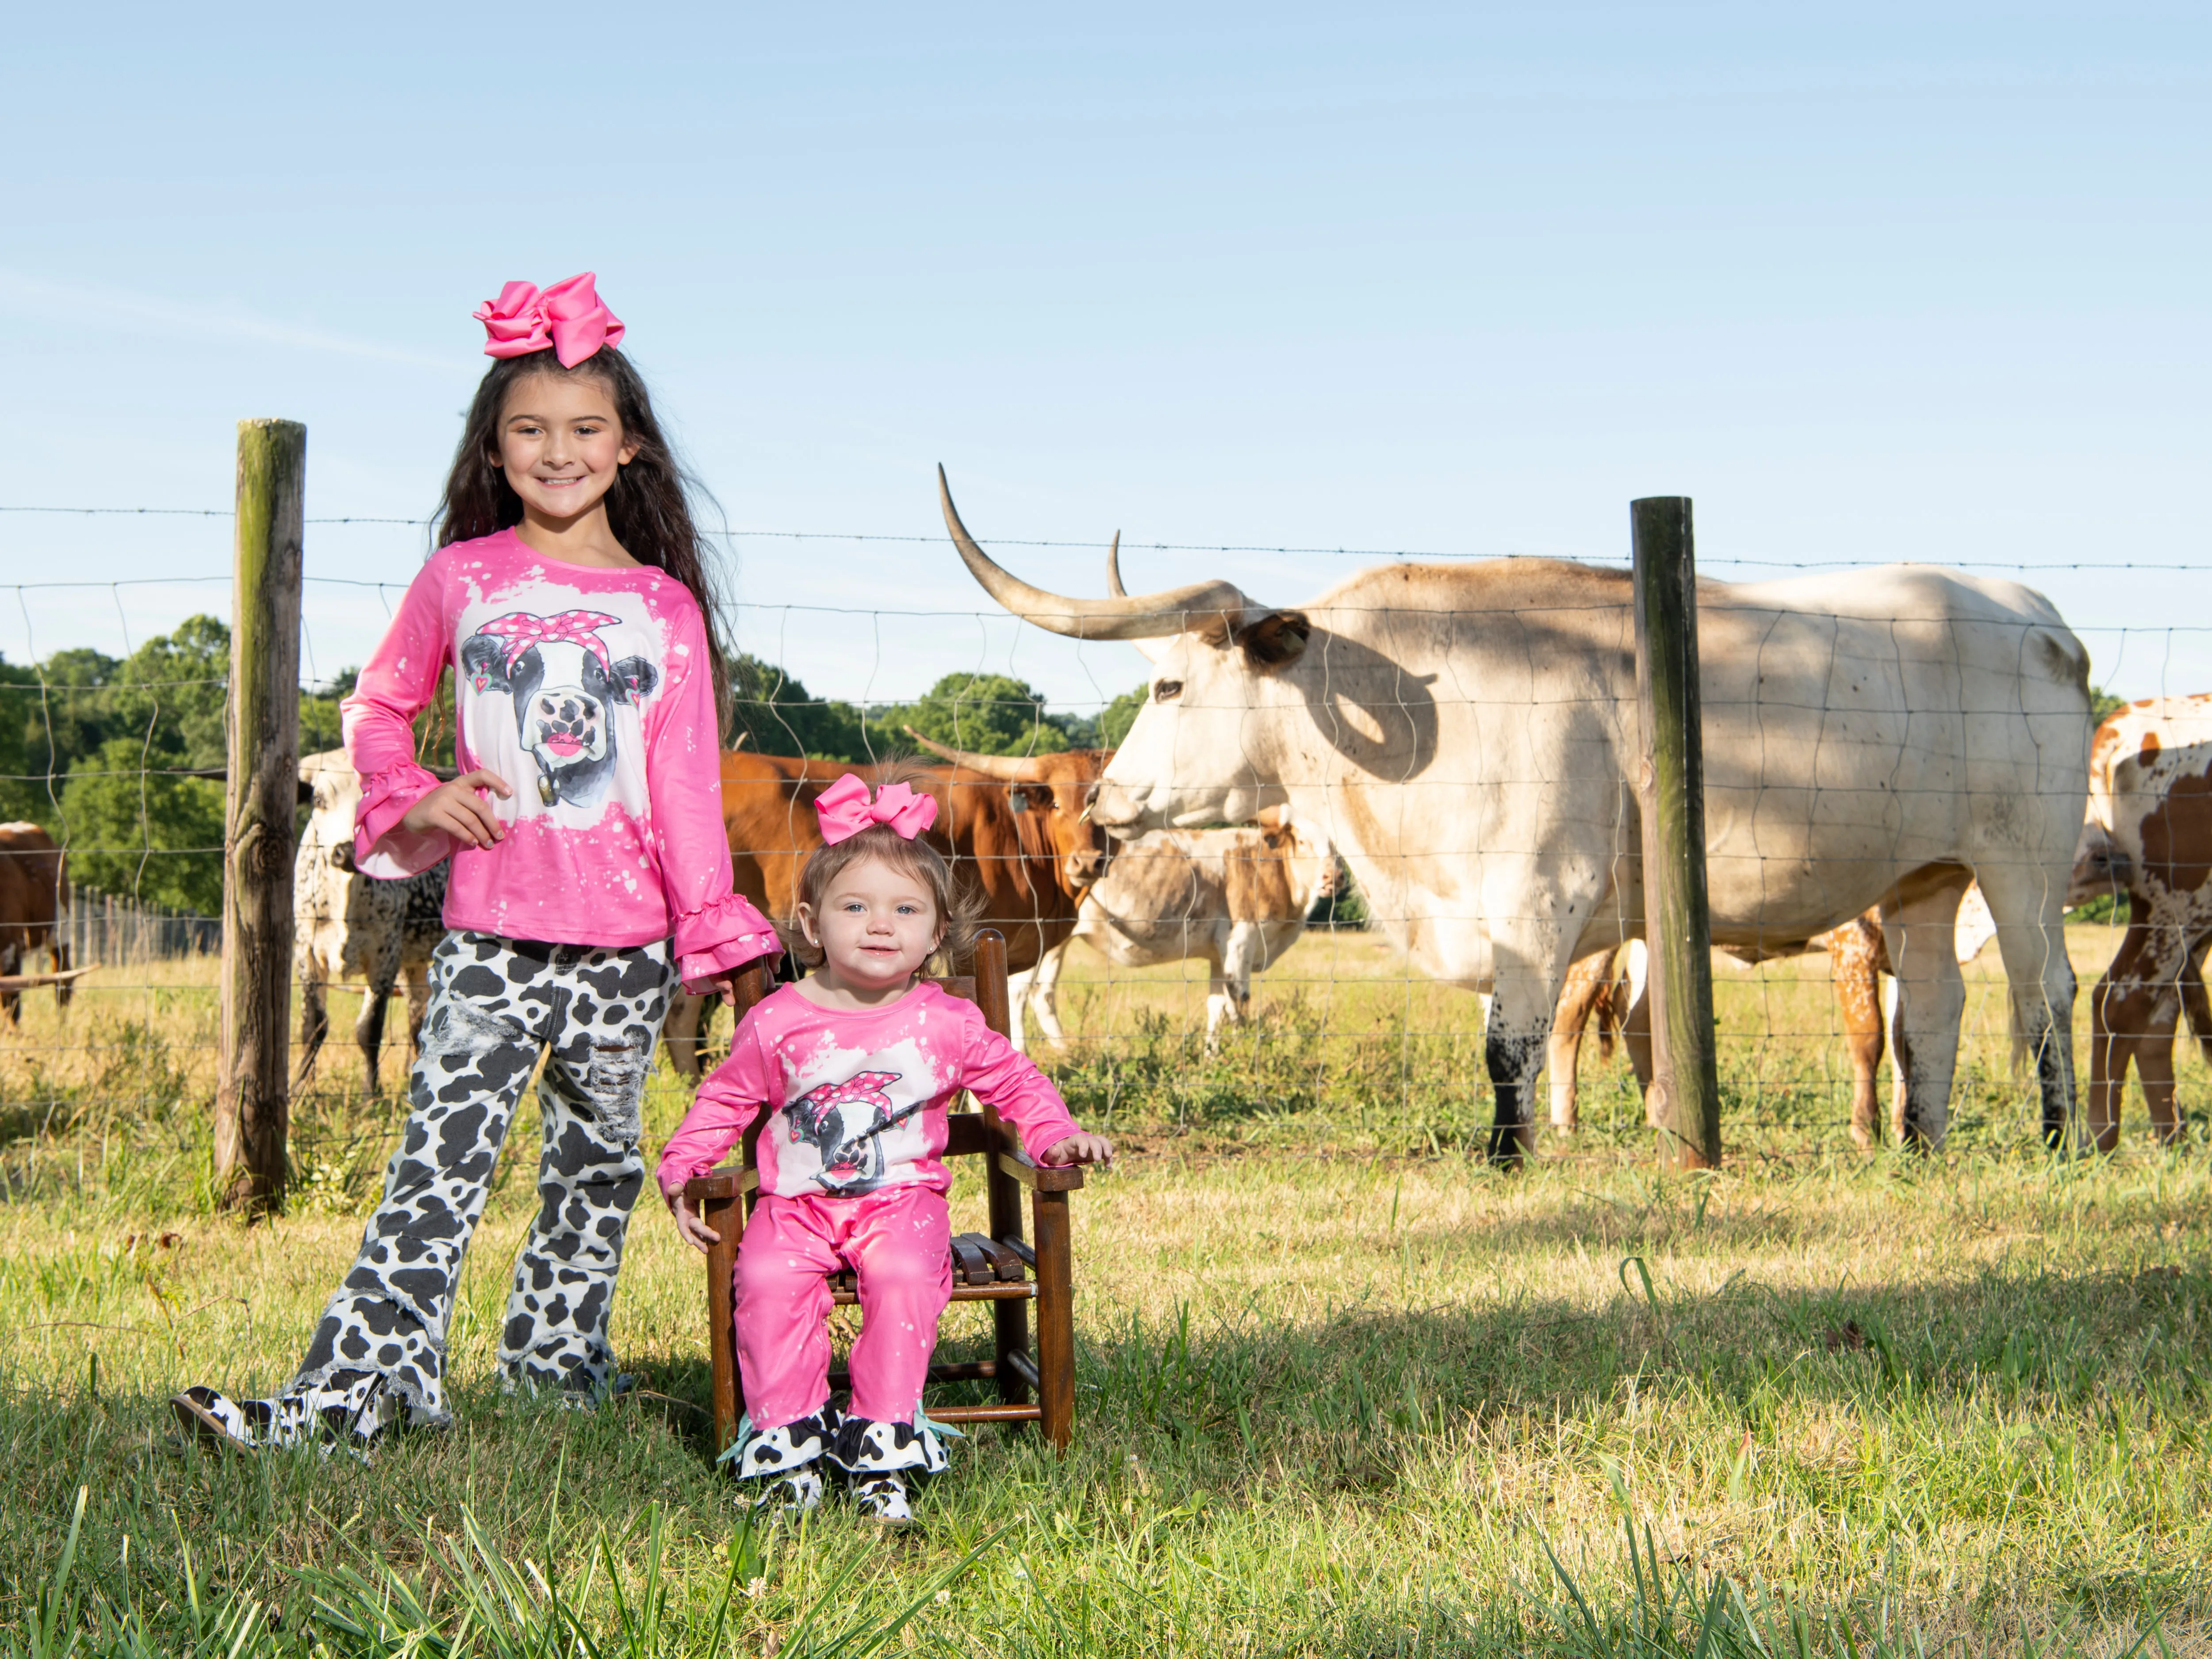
<point>521,630</point>
<point>564,681</point>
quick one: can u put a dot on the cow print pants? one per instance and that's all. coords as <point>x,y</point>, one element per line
<point>496,1005</point>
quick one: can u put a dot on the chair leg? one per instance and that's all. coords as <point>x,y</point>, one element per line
<point>1009,1322</point>
<point>727,1218</point>
<point>1056,1301</point>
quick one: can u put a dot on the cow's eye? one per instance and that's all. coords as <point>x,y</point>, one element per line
<point>1166,690</point>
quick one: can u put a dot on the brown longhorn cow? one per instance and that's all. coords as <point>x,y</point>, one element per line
<point>1021,829</point>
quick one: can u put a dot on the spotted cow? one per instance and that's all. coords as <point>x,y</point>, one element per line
<point>1234,898</point>
<point>2148,833</point>
<point>348,926</point>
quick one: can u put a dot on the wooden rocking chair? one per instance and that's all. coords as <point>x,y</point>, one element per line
<point>1001,1268</point>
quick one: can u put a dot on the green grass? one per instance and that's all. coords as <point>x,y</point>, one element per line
<point>1342,1388</point>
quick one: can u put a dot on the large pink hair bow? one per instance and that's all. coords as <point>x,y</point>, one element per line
<point>845,810</point>
<point>566,318</point>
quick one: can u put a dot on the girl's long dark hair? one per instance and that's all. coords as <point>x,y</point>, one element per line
<point>648,509</point>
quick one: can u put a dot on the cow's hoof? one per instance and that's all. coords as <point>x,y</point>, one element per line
<point>1508,1146</point>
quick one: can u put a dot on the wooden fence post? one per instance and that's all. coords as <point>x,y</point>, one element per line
<point>253,1102</point>
<point>1671,795</point>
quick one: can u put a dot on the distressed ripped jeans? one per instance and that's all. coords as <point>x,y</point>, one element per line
<point>496,1005</point>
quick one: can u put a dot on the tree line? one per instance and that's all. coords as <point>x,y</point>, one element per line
<point>122,758</point>
<point>989,713</point>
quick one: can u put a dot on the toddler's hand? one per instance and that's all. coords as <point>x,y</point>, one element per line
<point>454,808</point>
<point>1080,1148</point>
<point>697,1233</point>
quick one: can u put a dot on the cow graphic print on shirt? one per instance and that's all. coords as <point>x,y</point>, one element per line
<point>844,1122</point>
<point>565,683</point>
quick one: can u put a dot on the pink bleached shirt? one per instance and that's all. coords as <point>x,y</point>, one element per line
<point>589,690</point>
<point>857,1099</point>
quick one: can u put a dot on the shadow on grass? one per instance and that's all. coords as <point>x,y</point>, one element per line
<point>2052,1341</point>
<point>1197,1419</point>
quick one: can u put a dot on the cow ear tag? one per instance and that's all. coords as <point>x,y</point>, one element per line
<point>1017,800</point>
<point>482,682</point>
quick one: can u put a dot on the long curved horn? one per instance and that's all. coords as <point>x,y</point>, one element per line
<point>1146,615</point>
<point>1006,769</point>
<point>1153,650</point>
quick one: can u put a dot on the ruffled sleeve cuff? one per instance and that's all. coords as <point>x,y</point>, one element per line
<point>673,1173</point>
<point>719,937</point>
<point>380,847</point>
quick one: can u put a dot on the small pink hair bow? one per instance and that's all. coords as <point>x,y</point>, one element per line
<point>567,317</point>
<point>845,810</point>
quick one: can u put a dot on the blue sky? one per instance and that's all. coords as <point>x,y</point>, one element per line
<point>1877,282</point>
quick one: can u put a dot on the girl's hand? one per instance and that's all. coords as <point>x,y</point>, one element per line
<point>455,808</point>
<point>697,1233</point>
<point>1080,1148</point>
<point>724,985</point>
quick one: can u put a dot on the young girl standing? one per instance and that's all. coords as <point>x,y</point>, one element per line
<point>571,596</point>
<point>856,1066</point>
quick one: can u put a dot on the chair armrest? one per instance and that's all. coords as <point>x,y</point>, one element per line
<point>1038,1177</point>
<point>729,1181</point>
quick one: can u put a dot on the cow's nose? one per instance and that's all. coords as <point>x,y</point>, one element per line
<point>342,856</point>
<point>1114,809</point>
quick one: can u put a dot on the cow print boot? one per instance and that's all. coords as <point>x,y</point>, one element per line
<point>777,1465</point>
<point>349,1411</point>
<point>879,1459</point>
<point>881,1498</point>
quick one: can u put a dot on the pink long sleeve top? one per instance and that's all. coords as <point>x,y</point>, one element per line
<point>857,1100</point>
<point>589,690</point>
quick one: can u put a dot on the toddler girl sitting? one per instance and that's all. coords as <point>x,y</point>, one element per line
<point>856,1066</point>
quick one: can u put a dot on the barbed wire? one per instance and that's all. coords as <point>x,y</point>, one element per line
<point>1398,554</point>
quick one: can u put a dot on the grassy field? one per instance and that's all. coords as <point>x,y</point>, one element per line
<point>1343,1388</point>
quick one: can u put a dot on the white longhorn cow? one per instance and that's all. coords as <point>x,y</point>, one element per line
<point>1467,737</point>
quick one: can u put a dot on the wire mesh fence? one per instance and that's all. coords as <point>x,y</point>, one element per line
<point>1271,974</point>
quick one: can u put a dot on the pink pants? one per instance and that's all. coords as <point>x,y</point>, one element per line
<point>899,1241</point>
